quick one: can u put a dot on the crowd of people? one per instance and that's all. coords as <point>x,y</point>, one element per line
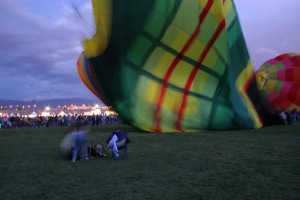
<point>49,121</point>
<point>289,116</point>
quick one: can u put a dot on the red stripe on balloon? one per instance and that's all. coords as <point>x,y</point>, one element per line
<point>249,81</point>
<point>194,72</point>
<point>178,58</point>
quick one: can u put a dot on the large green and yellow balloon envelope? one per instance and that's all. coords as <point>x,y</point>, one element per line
<point>173,65</point>
<point>278,80</point>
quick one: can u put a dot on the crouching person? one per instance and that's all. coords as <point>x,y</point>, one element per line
<point>80,146</point>
<point>96,151</point>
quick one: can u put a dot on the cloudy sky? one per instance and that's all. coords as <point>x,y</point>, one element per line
<point>40,42</point>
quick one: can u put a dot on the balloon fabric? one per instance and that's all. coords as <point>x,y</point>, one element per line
<point>278,80</point>
<point>172,65</point>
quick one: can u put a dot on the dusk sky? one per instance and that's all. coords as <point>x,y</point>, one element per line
<point>40,42</point>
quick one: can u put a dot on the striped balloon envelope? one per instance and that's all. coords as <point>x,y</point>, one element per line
<point>172,65</point>
<point>279,81</point>
<point>85,73</point>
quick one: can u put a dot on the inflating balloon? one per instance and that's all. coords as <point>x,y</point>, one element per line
<point>278,80</point>
<point>172,65</point>
<point>85,72</point>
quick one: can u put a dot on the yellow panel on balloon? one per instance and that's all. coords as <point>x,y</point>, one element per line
<point>190,108</point>
<point>180,74</point>
<point>200,116</point>
<point>171,100</point>
<point>160,68</point>
<point>175,37</point>
<point>275,68</point>
<point>216,7</point>
<point>151,65</point>
<point>274,85</point>
<point>147,88</point>
<point>204,84</point>
<point>211,59</point>
<point>195,51</point>
<point>228,8</point>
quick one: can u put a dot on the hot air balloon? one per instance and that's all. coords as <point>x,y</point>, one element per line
<point>278,80</point>
<point>85,73</point>
<point>172,65</point>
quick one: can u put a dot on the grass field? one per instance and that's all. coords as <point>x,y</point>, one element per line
<point>236,164</point>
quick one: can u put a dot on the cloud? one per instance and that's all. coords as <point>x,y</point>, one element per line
<point>270,28</point>
<point>41,46</point>
<point>262,54</point>
<point>40,42</point>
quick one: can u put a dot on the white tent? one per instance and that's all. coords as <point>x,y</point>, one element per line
<point>33,114</point>
<point>61,113</point>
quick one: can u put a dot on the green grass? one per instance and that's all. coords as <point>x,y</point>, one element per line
<point>237,164</point>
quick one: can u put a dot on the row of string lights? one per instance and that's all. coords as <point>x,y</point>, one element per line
<point>64,107</point>
<point>33,110</point>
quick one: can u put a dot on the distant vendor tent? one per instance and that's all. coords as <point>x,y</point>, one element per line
<point>33,114</point>
<point>61,113</point>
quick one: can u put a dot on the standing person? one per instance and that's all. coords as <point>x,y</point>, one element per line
<point>103,119</point>
<point>283,116</point>
<point>79,137</point>
<point>97,120</point>
<point>93,120</point>
<point>289,117</point>
<point>294,115</point>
